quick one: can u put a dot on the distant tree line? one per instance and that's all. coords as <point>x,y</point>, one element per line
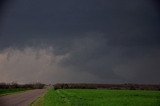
<point>16,85</point>
<point>106,86</point>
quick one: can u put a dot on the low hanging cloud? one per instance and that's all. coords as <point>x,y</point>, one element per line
<point>144,69</point>
<point>32,64</point>
<point>88,59</point>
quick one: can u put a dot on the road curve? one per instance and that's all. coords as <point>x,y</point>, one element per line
<point>21,99</point>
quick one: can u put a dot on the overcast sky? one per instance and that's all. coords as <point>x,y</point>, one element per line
<point>102,41</point>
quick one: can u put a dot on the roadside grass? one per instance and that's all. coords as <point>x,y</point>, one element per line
<point>99,97</point>
<point>38,102</point>
<point>10,91</point>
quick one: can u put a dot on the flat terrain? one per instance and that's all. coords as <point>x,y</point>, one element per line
<point>10,91</point>
<point>95,97</point>
<point>21,99</point>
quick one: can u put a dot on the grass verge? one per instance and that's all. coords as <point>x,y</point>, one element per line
<point>38,102</point>
<point>10,91</point>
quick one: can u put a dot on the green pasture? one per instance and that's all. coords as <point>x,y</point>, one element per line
<point>98,97</point>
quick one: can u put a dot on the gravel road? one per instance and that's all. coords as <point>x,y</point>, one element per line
<point>21,99</point>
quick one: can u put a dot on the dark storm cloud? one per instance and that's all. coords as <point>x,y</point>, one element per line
<point>105,41</point>
<point>2,5</point>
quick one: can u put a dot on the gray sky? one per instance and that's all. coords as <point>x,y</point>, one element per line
<point>102,41</point>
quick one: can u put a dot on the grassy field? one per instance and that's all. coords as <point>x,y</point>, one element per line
<point>8,91</point>
<point>93,97</point>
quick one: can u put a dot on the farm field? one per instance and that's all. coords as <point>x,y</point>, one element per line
<point>13,90</point>
<point>98,97</point>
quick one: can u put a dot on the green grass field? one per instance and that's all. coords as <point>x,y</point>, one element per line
<point>93,97</point>
<point>9,91</point>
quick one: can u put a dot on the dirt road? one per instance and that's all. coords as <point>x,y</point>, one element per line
<point>21,99</point>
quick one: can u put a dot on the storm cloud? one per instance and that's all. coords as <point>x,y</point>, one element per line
<point>102,41</point>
